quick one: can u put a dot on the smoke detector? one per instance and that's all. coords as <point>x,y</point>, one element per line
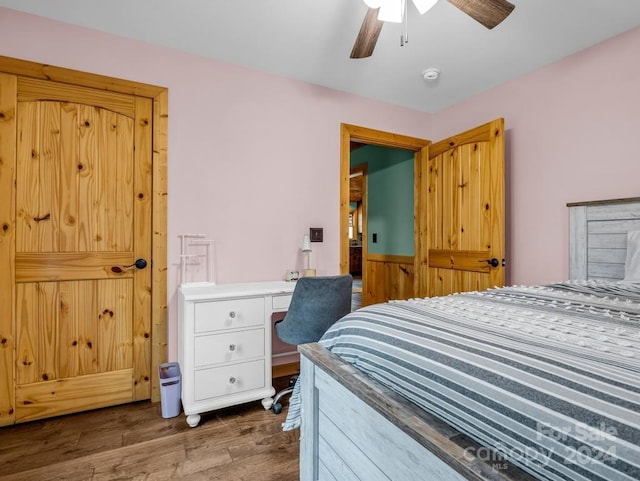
<point>431,74</point>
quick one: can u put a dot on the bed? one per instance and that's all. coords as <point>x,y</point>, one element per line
<point>516,383</point>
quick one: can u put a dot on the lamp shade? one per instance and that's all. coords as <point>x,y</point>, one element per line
<point>306,243</point>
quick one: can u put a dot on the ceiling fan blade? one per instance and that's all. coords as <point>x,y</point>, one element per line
<point>368,35</point>
<point>488,12</point>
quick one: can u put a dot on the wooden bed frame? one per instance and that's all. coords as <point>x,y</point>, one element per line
<point>598,237</point>
<point>353,428</point>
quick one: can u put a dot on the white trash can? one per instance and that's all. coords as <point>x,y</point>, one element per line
<point>170,389</point>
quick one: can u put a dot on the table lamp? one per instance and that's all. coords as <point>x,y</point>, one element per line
<point>306,249</point>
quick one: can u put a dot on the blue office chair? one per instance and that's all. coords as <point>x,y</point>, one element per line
<point>317,303</point>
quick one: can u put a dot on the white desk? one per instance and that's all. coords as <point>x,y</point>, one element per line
<point>224,343</point>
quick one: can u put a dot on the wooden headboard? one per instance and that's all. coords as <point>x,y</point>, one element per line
<point>598,237</point>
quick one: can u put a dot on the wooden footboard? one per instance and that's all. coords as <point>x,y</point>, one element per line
<point>355,429</point>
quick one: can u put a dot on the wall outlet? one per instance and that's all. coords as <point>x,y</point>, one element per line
<point>292,275</point>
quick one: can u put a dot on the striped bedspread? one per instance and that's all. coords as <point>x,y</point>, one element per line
<point>549,376</point>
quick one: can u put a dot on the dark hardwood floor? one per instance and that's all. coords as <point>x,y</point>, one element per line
<point>133,441</point>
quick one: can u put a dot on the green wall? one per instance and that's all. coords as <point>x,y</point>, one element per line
<point>390,198</point>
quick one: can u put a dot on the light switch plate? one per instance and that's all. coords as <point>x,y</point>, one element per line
<point>316,234</point>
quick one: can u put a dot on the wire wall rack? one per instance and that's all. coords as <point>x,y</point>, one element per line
<point>197,259</point>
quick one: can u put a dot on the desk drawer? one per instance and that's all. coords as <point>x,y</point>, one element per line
<point>227,347</point>
<point>225,380</point>
<point>229,314</point>
<point>281,303</point>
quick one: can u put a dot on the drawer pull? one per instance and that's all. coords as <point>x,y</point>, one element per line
<point>232,380</point>
<point>232,347</point>
<point>232,315</point>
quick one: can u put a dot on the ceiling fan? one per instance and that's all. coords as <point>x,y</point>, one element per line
<point>488,12</point>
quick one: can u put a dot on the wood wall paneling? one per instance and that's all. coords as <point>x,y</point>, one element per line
<point>388,277</point>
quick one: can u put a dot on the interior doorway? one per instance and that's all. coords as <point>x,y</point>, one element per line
<point>390,276</point>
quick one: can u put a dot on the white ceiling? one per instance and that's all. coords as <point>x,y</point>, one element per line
<point>311,40</point>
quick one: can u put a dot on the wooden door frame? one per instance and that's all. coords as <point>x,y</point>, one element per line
<point>363,169</point>
<point>159,97</point>
<point>353,133</point>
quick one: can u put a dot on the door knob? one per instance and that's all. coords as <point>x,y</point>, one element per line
<point>138,264</point>
<point>493,262</point>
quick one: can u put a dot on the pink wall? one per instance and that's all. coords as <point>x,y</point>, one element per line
<point>571,131</point>
<point>253,158</point>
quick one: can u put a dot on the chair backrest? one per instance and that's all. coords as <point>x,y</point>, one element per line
<point>317,303</point>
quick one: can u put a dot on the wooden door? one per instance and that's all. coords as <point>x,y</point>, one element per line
<point>83,213</point>
<point>465,197</point>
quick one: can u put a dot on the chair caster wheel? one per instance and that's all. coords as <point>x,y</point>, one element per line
<point>276,408</point>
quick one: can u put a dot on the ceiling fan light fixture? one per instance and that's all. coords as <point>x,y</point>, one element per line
<point>391,11</point>
<point>424,6</point>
